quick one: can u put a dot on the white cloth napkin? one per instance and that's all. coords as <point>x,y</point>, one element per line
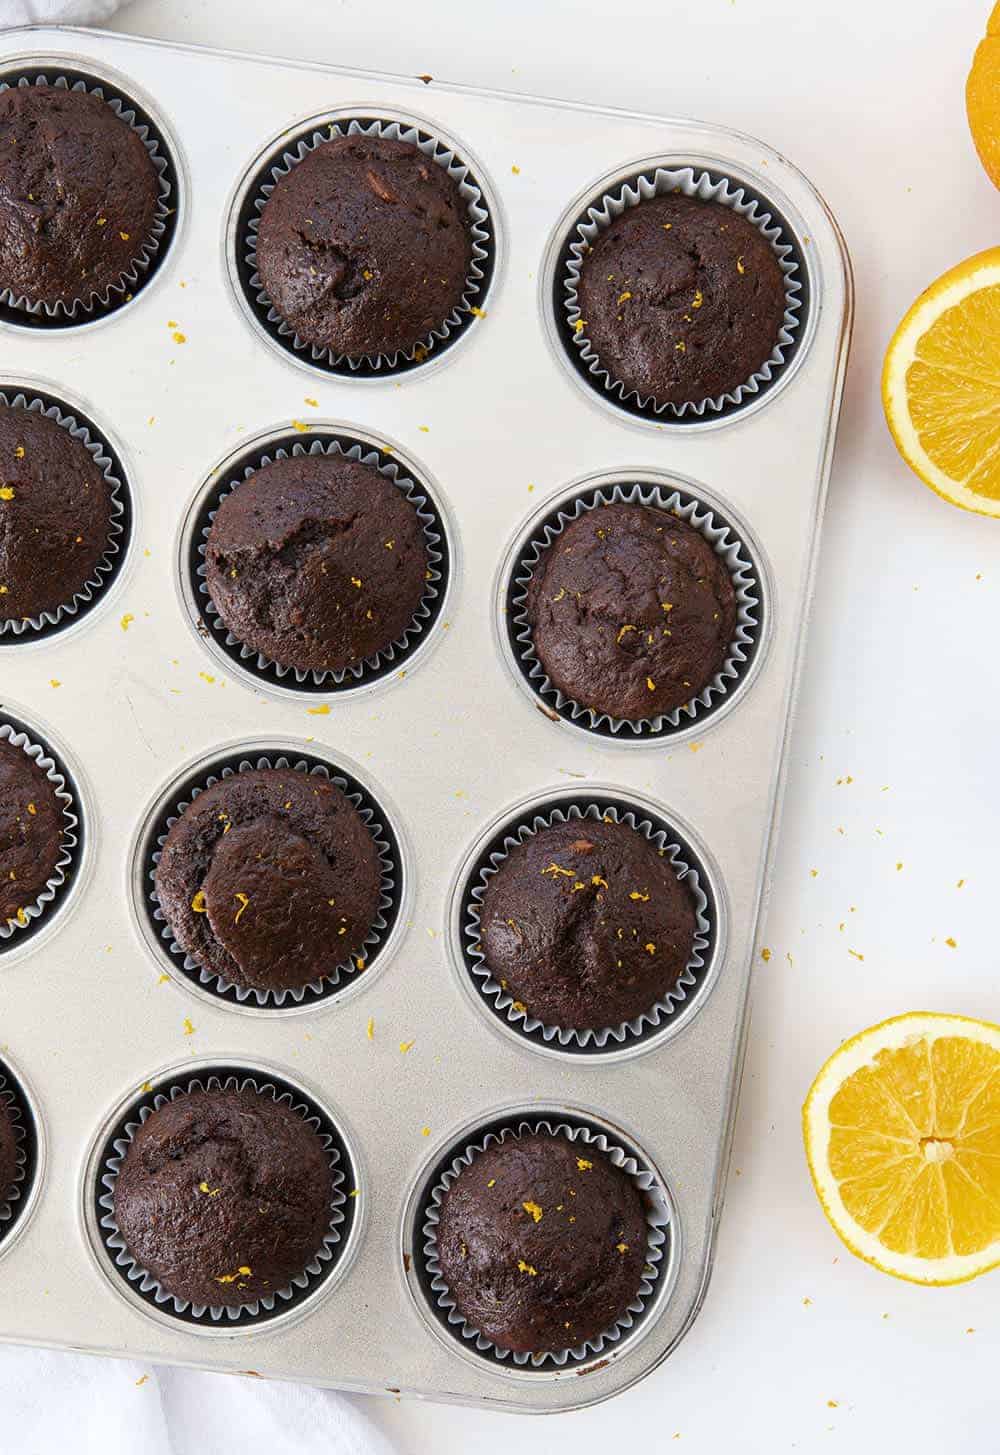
<point>52,12</point>
<point>69,1402</point>
<point>53,1403</point>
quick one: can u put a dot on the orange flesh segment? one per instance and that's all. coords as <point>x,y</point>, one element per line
<point>953,389</point>
<point>915,1146</point>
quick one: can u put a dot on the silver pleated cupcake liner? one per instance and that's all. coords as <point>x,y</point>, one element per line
<point>340,973</point>
<point>144,1282</point>
<point>29,628</point>
<point>12,1197</point>
<point>681,994</point>
<point>658,1219</point>
<point>723,539</point>
<point>708,187</point>
<point>80,310</point>
<point>389,658</point>
<point>29,914</point>
<point>481,226</point>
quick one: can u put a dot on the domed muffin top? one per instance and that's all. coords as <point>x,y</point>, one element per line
<point>364,246</point>
<point>632,611</point>
<point>78,195</point>
<point>683,300</point>
<point>55,514</point>
<point>31,832</point>
<point>316,561</point>
<point>586,925</point>
<point>224,1196</point>
<point>542,1242</point>
<point>270,879</point>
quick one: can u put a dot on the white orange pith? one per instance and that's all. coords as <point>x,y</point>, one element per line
<point>902,1133</point>
<point>941,385</point>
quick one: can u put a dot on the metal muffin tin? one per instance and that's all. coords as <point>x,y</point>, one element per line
<point>453,747</point>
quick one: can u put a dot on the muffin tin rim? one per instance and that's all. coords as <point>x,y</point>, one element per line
<point>42,732</point>
<point>666,480</point>
<point>671,161</point>
<point>26,383</point>
<point>706,864</point>
<point>230,237</point>
<point>185,534</point>
<point>90,1171</point>
<point>136,890</point>
<point>420,1183</point>
<point>111,76</point>
<point>33,1196</point>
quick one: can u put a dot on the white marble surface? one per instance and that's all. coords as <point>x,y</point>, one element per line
<point>799,1346</point>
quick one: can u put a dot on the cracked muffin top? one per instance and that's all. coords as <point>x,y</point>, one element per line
<point>270,879</point>
<point>78,195</point>
<point>55,514</point>
<point>31,830</point>
<point>683,300</point>
<point>586,925</point>
<point>542,1242</point>
<point>224,1196</point>
<point>317,562</point>
<point>632,611</point>
<point>364,246</point>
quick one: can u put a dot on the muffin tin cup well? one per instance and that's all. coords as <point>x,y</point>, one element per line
<point>662,1240</point>
<point>22,311</point>
<point>111,565</point>
<point>727,536</point>
<point>138,1285</point>
<point>256,669</point>
<point>691,864</point>
<point>288,149</point>
<point>17,1201</point>
<point>17,933</point>
<point>596,210</point>
<point>344,977</point>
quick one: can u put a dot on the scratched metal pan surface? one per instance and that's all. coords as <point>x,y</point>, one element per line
<point>142,700</point>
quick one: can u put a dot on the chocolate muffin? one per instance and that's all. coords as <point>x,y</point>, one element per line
<point>270,879</point>
<point>30,832</point>
<point>586,924</point>
<point>317,562</point>
<point>224,1196</point>
<point>8,1153</point>
<point>632,611</point>
<point>542,1243</point>
<point>683,300</point>
<point>55,514</point>
<point>364,246</point>
<point>78,195</point>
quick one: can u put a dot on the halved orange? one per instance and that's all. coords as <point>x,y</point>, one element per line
<point>902,1135</point>
<point>982,98</point>
<point>941,385</point>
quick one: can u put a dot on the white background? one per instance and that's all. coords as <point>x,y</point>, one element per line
<point>900,692</point>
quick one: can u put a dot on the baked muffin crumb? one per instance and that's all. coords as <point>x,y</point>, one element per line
<point>224,1196</point>
<point>316,561</point>
<point>270,879</point>
<point>364,246</point>
<point>632,611</point>
<point>682,300</point>
<point>31,832</point>
<point>542,1242</point>
<point>55,515</point>
<point>586,924</point>
<point>79,195</point>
